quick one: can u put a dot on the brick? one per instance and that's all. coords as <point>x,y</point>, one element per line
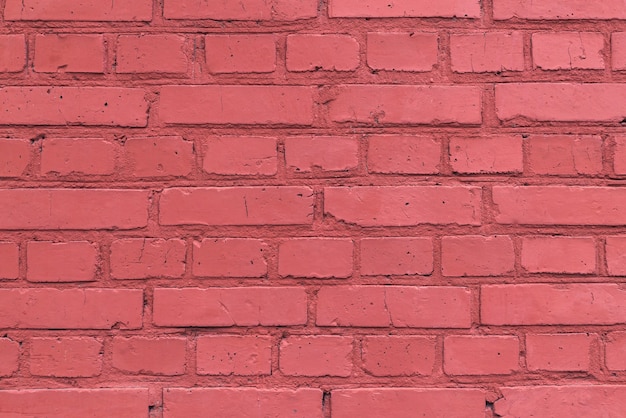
<point>76,10</point>
<point>391,154</point>
<point>14,157</point>
<point>267,105</point>
<point>328,153</point>
<point>237,206</point>
<point>228,355</point>
<point>619,162</point>
<point>73,209</point>
<point>405,402</point>
<point>66,357</point>
<point>487,52</point>
<point>561,102</point>
<point>480,355</point>
<point>245,10</point>
<point>547,304</point>
<point>618,50</point>
<point>9,261</point>
<point>82,308</point>
<point>9,357</point>
<point>322,52</point>
<point>12,53</point>
<point>568,50</point>
<point>65,156</point>
<point>315,257</point>
<point>564,401</point>
<point>75,403</point>
<point>474,255</point>
<point>230,257</point>
<point>240,53</point>
<point>402,51</point>
<point>163,54</point>
<point>388,104</point>
<point>396,256</point>
<point>399,355</point>
<point>316,356</point>
<point>549,10</point>
<point>93,106</point>
<point>396,306</point>
<point>404,8</point>
<point>74,261</point>
<point>159,156</point>
<point>403,205</point>
<point>560,205</point>
<point>230,402</point>
<point>559,254</point>
<point>559,352</point>
<point>615,347</point>
<point>616,255</point>
<point>226,307</point>
<point>69,53</point>
<point>565,154</point>
<point>501,154</point>
<point>143,258</point>
<point>243,156</point>
<point>158,356</point>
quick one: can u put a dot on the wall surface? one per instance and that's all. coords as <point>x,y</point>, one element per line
<point>303,208</point>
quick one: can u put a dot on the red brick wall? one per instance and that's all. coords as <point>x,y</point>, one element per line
<point>302,208</point>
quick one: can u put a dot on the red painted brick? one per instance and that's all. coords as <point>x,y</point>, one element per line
<point>619,163</point>
<point>396,306</point>
<point>268,105</point>
<point>69,53</point>
<point>399,355</point>
<point>329,153</point>
<point>230,402</point>
<point>316,356</point>
<point>75,403</point>
<point>227,355</point>
<point>73,209</point>
<point>618,50</point>
<point>616,255</point>
<point>478,355</point>
<point>74,261</point>
<point>82,308</point>
<point>9,261</point>
<point>9,357</point>
<point>388,104</point>
<point>493,154</point>
<point>109,106</point>
<point>159,156</point>
<point>237,206</point>
<point>568,50</point>
<point>559,254</point>
<point>240,53</point>
<point>565,154</point>
<point>315,257</point>
<point>66,357</point>
<point>322,52</point>
<point>391,154</point>
<point>396,256</point>
<point>230,257</point>
<point>226,307</point>
<point>12,53</point>
<point>143,258</point>
<point>615,347</point>
<point>547,9</point>
<point>14,157</point>
<point>559,352</point>
<point>244,10</point>
<point>402,51</point>
<point>65,156</point>
<point>403,205</point>
<point>474,255</point>
<point>244,156</point>
<point>159,356</point>
<point>560,205</point>
<point>72,10</point>
<point>406,402</point>
<point>151,54</point>
<point>487,52</point>
<point>404,8</point>
<point>547,304</point>
<point>561,102</point>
